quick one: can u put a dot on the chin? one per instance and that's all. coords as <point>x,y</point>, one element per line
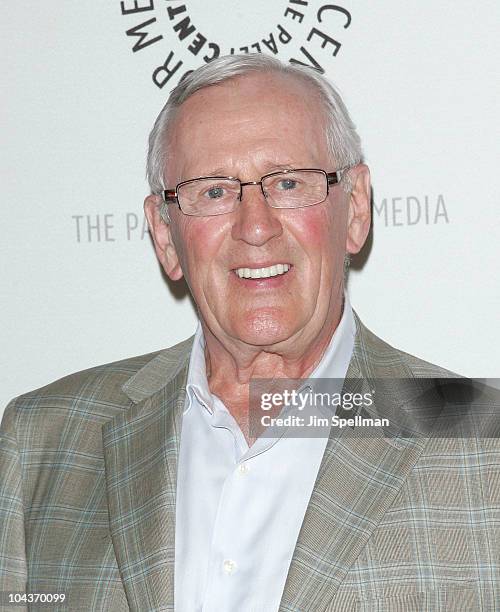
<point>264,329</point>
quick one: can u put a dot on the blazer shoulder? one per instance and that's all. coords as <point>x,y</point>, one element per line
<point>383,359</point>
<point>99,391</point>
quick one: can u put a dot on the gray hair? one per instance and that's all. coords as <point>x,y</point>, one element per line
<point>343,141</point>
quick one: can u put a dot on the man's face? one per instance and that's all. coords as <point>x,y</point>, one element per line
<point>245,128</point>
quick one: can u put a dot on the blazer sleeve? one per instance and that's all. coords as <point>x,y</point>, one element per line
<point>13,566</point>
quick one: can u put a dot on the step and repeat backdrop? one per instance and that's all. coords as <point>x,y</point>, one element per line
<point>84,82</point>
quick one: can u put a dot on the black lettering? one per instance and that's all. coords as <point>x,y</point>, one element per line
<point>312,62</point>
<point>166,72</point>
<point>135,31</point>
<point>295,14</point>
<point>270,43</point>
<point>301,2</point>
<point>256,46</point>
<point>136,8</point>
<point>184,28</point>
<point>326,39</point>
<point>215,52</point>
<point>197,43</point>
<point>283,36</point>
<point>187,73</point>
<point>173,12</point>
<point>334,7</point>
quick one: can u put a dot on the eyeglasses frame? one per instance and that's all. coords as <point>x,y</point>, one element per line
<point>332,178</point>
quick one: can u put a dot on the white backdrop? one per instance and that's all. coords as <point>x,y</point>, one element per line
<point>81,285</point>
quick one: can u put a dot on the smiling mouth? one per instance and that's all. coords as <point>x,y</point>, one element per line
<point>276,270</point>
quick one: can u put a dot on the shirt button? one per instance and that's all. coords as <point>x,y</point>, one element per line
<point>242,468</point>
<point>229,566</point>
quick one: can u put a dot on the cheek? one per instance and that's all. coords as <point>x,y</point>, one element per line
<point>198,241</point>
<point>321,231</point>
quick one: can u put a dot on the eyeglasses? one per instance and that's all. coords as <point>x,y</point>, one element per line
<point>218,195</point>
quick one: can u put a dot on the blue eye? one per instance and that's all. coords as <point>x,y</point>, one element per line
<point>215,192</point>
<point>287,184</point>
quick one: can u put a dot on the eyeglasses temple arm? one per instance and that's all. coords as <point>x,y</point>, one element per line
<point>170,195</point>
<point>334,177</point>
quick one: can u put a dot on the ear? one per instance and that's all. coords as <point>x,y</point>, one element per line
<point>359,217</point>
<point>162,237</point>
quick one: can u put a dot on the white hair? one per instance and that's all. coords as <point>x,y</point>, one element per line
<point>343,141</point>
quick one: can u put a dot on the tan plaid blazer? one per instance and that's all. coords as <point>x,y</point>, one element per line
<point>88,470</point>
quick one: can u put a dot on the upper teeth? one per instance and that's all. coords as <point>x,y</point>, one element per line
<point>262,272</point>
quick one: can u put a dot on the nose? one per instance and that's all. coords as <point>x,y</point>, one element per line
<point>256,222</point>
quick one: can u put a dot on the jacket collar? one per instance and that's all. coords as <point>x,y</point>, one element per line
<point>358,480</point>
<point>166,366</point>
<point>141,447</point>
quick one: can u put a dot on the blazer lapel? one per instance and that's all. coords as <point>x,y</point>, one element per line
<point>141,448</point>
<point>357,482</point>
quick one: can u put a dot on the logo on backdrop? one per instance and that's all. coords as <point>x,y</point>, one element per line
<point>177,36</point>
<point>180,35</point>
<point>399,211</point>
<point>411,210</point>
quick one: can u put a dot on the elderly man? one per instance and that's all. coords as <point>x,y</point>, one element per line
<point>140,485</point>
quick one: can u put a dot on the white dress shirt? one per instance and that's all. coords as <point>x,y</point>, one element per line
<point>239,509</point>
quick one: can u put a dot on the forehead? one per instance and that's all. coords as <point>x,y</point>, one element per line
<point>259,117</point>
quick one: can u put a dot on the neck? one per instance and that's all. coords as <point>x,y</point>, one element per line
<point>231,364</point>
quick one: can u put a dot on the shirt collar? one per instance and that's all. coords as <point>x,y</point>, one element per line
<point>333,364</point>
<point>197,383</point>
